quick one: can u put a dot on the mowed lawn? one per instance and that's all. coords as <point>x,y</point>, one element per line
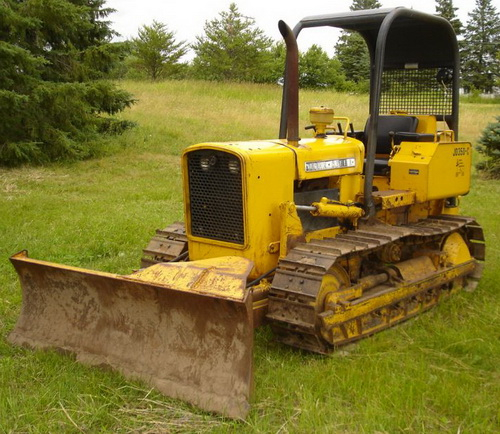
<point>436,373</point>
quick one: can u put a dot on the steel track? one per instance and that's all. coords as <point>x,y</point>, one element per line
<point>166,245</point>
<point>294,313</point>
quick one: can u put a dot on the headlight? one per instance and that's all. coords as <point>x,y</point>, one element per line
<point>207,162</point>
<point>233,166</point>
<point>204,163</point>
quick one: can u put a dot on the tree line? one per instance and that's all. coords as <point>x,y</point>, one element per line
<point>57,58</point>
<point>233,48</point>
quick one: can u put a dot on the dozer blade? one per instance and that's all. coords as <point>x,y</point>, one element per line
<point>184,328</point>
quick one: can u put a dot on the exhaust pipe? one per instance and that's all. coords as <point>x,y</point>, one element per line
<point>289,127</point>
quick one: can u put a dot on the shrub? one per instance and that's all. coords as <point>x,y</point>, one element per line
<point>489,145</point>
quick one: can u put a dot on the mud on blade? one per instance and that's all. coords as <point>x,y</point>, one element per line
<point>185,328</point>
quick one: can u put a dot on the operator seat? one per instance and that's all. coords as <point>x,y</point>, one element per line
<point>391,128</point>
<point>388,126</point>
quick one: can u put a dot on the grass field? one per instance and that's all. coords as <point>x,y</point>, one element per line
<point>439,372</point>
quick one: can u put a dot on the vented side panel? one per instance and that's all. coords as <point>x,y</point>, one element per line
<point>216,196</point>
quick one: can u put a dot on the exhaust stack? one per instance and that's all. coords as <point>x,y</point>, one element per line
<point>290,104</point>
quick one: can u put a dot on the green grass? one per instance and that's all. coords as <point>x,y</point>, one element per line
<point>436,373</point>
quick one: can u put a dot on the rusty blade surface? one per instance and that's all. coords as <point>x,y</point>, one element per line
<point>191,346</point>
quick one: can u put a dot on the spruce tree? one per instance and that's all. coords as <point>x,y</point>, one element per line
<point>445,9</point>
<point>157,52</point>
<point>54,54</point>
<point>358,5</point>
<point>232,48</point>
<point>480,48</point>
<point>351,49</point>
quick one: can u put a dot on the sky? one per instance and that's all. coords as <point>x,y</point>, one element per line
<point>187,18</point>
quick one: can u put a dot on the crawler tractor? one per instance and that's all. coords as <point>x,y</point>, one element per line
<point>327,239</point>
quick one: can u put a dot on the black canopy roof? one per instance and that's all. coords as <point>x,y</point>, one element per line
<point>410,36</point>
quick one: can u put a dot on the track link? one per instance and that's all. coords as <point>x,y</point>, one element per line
<point>294,313</point>
<point>168,244</point>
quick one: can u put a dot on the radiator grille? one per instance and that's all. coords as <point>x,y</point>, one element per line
<point>416,91</point>
<point>216,196</point>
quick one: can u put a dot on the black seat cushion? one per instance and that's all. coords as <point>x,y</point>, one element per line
<point>412,137</point>
<point>388,125</point>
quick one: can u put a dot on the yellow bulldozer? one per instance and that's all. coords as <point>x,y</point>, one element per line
<point>327,239</point>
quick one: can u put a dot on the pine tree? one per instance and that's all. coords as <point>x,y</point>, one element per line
<point>480,48</point>
<point>351,48</point>
<point>53,53</point>
<point>232,48</point>
<point>156,51</point>
<point>445,9</point>
<point>358,5</point>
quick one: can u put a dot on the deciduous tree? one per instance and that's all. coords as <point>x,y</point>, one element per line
<point>273,66</point>
<point>317,70</point>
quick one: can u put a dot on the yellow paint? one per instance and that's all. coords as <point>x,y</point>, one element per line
<point>381,183</point>
<point>394,198</point>
<point>327,208</point>
<point>432,170</point>
<point>221,277</point>
<point>320,117</point>
<point>333,287</point>
<point>446,136</point>
<point>456,249</point>
<point>345,127</point>
<point>224,277</point>
<point>427,124</point>
<point>260,304</point>
<point>416,268</point>
<point>422,175</point>
<point>268,171</point>
<point>325,149</point>
<point>351,186</point>
<point>323,233</point>
<point>290,227</point>
<point>323,117</point>
<point>421,210</point>
<point>349,310</point>
<point>455,210</point>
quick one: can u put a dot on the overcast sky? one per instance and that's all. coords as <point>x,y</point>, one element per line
<point>187,18</point>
